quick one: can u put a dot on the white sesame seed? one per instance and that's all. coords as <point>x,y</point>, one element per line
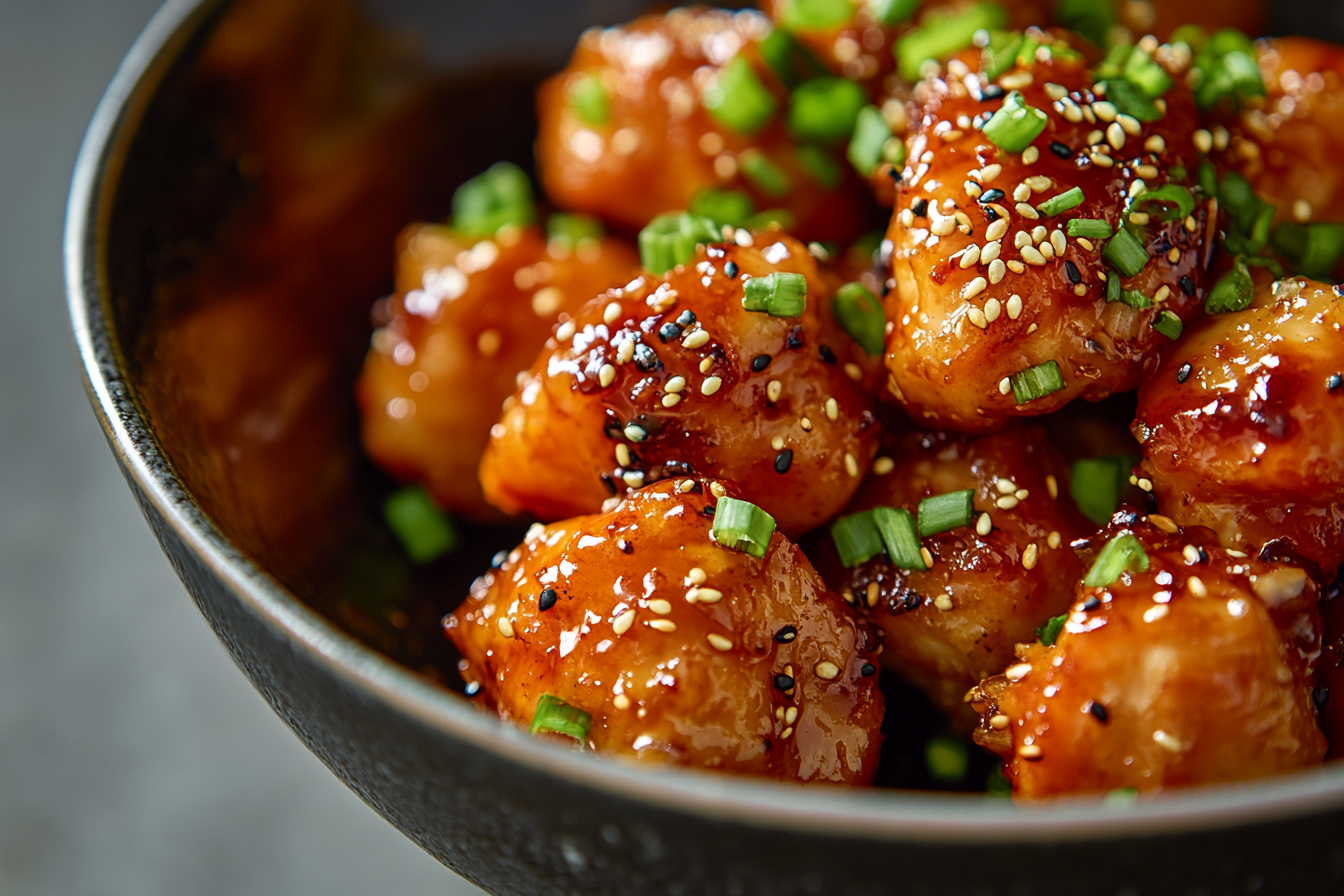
<point>984,525</point>
<point>1007,502</point>
<point>927,556</point>
<point>1022,238</point>
<point>1190,553</point>
<point>717,489</point>
<point>676,384</point>
<point>874,591</point>
<point>706,364</point>
<point>970,256</point>
<point>1162,294</point>
<point>708,595</point>
<point>633,479</point>
<point>606,375</point>
<point>786,733</point>
<point>623,454</point>
<point>883,465</point>
<point>1104,110</point>
<point>718,641</point>
<point>1059,241</point>
<point>974,288</point>
<point>743,238</point>
<point>942,602</point>
<point>997,270</point>
<point>1203,141</point>
<point>1039,183</point>
<point>612,313</point>
<point>1021,494</point>
<point>663,625</point>
<point>1115,135</point>
<point>790,715</point>
<point>993,308</point>
<point>1022,192</point>
<point>1028,211</point>
<point>1148,171</point>
<point>777,443</point>
<point>990,252</point>
<point>685,485</point>
<point>566,331</point>
<point>853,371</point>
<point>995,231</point>
<point>1145,484</point>
<point>660,606</point>
<point>1085,243</point>
<point>695,339</point>
<point>1196,586</point>
<point>1030,752</point>
<point>851,465</point>
<point>1030,155</point>
<point>972,189</point>
<point>999,722</point>
<point>1302,211</point>
<point>1056,91</point>
<point>1039,234</point>
<point>1016,267</point>
<point>1174,255</point>
<point>696,576</point>
<point>671,401</point>
<point>1070,111</point>
<point>1155,143</point>
<point>805,423</point>
<point>990,172</point>
<point>832,409</point>
<point>1166,741</point>
<point>710,385</point>
<point>1096,137</point>
<point>1014,306</point>
<point>625,352</point>
<point>977,317</point>
<point>505,627</point>
<point>1054,539</point>
<point>1101,160</point>
<point>1031,255</point>
<point>1029,556</point>
<point>1131,125</point>
<point>1005,386</point>
<point>1005,486</point>
<point>1047,251</point>
<point>1152,614</point>
<point>1017,672</point>
<point>773,390</point>
<point>1139,218</point>
<point>1220,138</point>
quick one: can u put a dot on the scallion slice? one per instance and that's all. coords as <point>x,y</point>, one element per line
<point>425,532</point>
<point>1090,228</point>
<point>738,100</point>
<point>1312,250</point>
<point>892,12</point>
<point>779,294</point>
<point>1125,253</point>
<point>1057,205</point>
<point>871,133</point>
<point>1179,197</point>
<point>943,37</point>
<point>1135,299</point>
<point>856,538</point>
<point>670,240</point>
<point>1049,633</point>
<point>1115,289</point>
<point>570,229</point>
<point>824,110</point>
<point>821,165</point>
<point>1226,67</point>
<point>1234,291</point>
<point>1130,99</point>
<point>947,759</point>
<point>1136,67</point>
<point>554,714</point>
<point>588,100</point>
<point>732,207</point>
<point>1015,125</point>
<point>815,15</point>
<point>772,217</point>
<point>897,528</point>
<point>1036,382</point>
<point>1096,484</point>
<point>742,526</point>
<point>1123,552</point>
<point>501,196</point>
<point>1090,18</point>
<point>791,62</point>
<point>765,174</point>
<point>860,314</point>
<point>942,513</point>
<point>1169,325</point>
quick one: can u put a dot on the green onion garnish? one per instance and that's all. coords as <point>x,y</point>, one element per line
<point>1133,298</point>
<point>821,165</point>
<point>588,100</point>
<point>1226,67</point>
<point>871,133</point>
<point>1171,194</point>
<point>1136,67</point>
<point>501,196</point>
<point>1090,18</point>
<point>1207,177</point>
<point>892,12</point>
<point>1049,633</point>
<point>732,207</point>
<point>570,229</point>
<point>824,109</point>
<point>1015,125</point>
<point>791,62</point>
<point>1130,99</point>
<point>554,714</point>
<point>670,240</point>
<point>781,217</point>
<point>1057,205</point>
<point>1125,253</point>
<point>805,15</point>
<point>780,294</point>
<point>997,785</point>
<point>1004,50</point>
<point>1234,291</point>
<point>897,528</point>
<point>1089,227</point>
<point>1123,552</point>
<point>947,759</point>
<point>738,100</point>
<point>943,37</point>
<point>742,526</point>
<point>856,538</point>
<point>764,173</point>
<point>1096,484</point>
<point>1036,382</point>
<point>1312,250</point>
<point>1121,797</point>
<point>1169,325</point>
<point>425,531</point>
<point>860,314</point>
<point>1115,289</point>
<point>942,513</point>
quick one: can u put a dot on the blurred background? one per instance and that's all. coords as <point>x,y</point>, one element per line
<point>134,757</point>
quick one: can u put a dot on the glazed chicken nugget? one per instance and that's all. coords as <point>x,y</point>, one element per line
<point>673,376</point>
<point>1183,664</point>
<point>680,650</point>
<point>468,316</point>
<point>1000,309</point>
<point>649,114</point>
<point>1242,426</point>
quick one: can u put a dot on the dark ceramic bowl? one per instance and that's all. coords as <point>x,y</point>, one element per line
<point>230,218</point>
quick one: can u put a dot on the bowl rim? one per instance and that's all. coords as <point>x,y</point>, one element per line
<point>881,815</point>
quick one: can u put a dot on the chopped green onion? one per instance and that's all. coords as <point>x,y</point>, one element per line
<point>1251,217</point>
<point>1015,125</point>
<point>425,531</point>
<point>1004,50</point>
<point>1125,253</point>
<point>1169,325</point>
<point>947,759</point>
<point>670,240</point>
<point>1036,382</point>
<point>732,207</point>
<point>892,12</point>
<point>1234,291</point>
<point>1092,19</point>
<point>942,513</point>
<point>1226,66</point>
<point>570,229</point>
<point>554,714</point>
<point>1115,289</point>
<point>588,100</point>
<point>742,526</point>
<point>941,38</point>
<point>824,109</point>
<point>1049,633</point>
<point>738,100</point>
<point>1129,99</point>
<point>860,314</point>
<point>1192,36</point>
<point>1089,227</point>
<point>871,133</point>
<point>501,196</point>
<point>1136,67</point>
<point>791,62</point>
<point>856,538</point>
<point>1133,298</point>
<point>1121,797</point>
<point>1207,177</point>
<point>1170,194</point>
<point>1057,205</point>
<point>900,537</point>
<point>997,785</point>
<point>1312,250</point>
<point>821,165</point>
<point>780,294</point>
<point>780,217</point>
<point>819,15</point>
<point>764,173</point>
<point>1096,485</point>
<point>1237,195</point>
<point>1123,552</point>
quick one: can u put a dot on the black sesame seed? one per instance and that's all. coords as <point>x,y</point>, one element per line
<point>1099,711</point>
<point>608,484</point>
<point>759,363</point>
<point>1060,149</point>
<point>1339,290</point>
<point>686,318</point>
<point>708,510</point>
<point>646,359</point>
<point>768,745</point>
<point>1184,373</point>
<point>786,634</point>
<point>784,460</point>
<point>795,338</point>
<point>730,269</point>
<point>894,173</point>
<point>1091,603</point>
<point>1334,381</point>
<point>992,92</point>
<point>913,599</point>
<point>1203,556</point>
<point>1320,696</point>
<point>784,682</point>
<point>613,429</point>
<point>547,599</point>
<point>498,560</point>
<point>669,331</point>
<point>1187,285</point>
<point>991,215</point>
<point>1071,270</point>
<point>994,194</point>
<point>826,354</point>
<point>867,669</point>
<point>920,208</point>
<point>626,547</point>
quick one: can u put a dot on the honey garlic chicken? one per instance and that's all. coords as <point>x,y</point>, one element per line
<point>1179,664</point>
<point>681,650</point>
<point>673,376</point>
<point>992,582</point>
<point>1043,239</point>
<point>468,316</point>
<point>648,115</point>
<point>1242,427</point>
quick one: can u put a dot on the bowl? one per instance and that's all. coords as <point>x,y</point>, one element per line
<point>229,222</point>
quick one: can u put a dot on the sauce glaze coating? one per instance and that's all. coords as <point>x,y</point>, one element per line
<point>682,651</point>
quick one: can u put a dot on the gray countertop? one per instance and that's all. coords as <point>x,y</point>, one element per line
<point>134,758</point>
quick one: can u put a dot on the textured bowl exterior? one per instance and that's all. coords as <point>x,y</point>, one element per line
<point>521,817</point>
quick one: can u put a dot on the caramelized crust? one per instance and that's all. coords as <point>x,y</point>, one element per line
<point>1241,428</point>
<point>1195,671</point>
<point>682,651</point>
<point>694,384</point>
<point>467,318</point>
